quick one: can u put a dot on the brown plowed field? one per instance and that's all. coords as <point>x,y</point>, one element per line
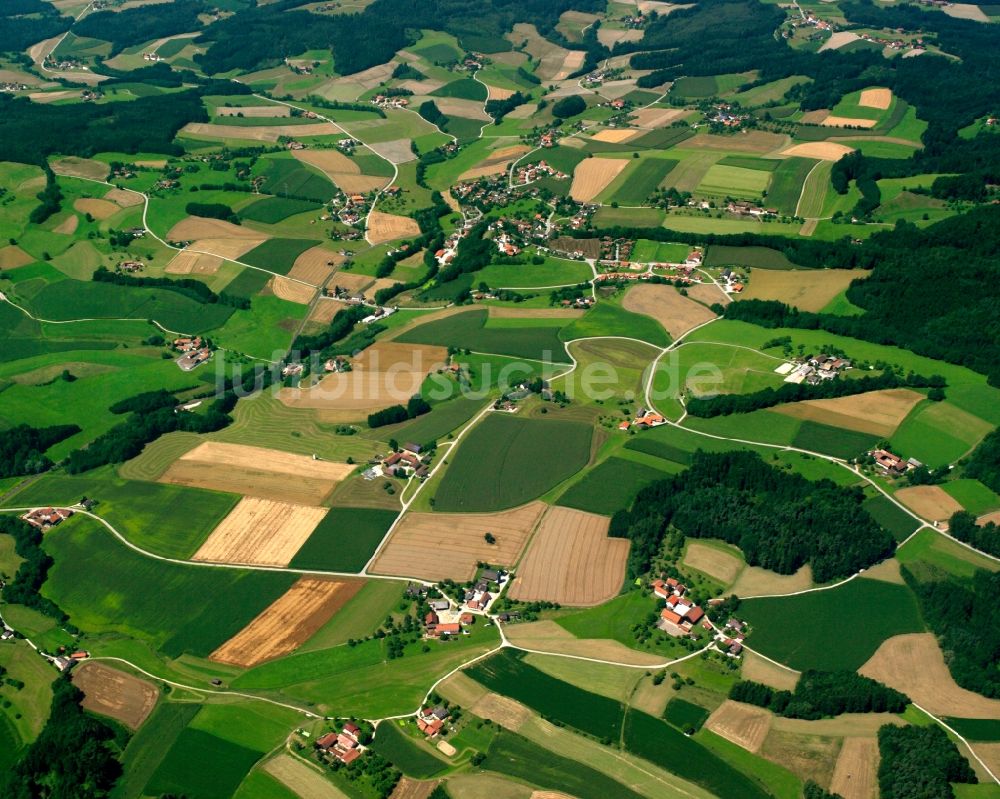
<point>808,289</point>
<point>99,209</point>
<point>267,473</point>
<point>13,256</point>
<point>504,711</point>
<point>436,546</point>
<point>823,150</point>
<point>68,226</point>
<point>292,290</point>
<point>288,622</point>
<point>571,561</point>
<point>658,117</point>
<point>668,306</point>
<point>744,725</point>
<point>196,227</point>
<point>384,374</point>
<point>253,111</point>
<point>593,175</point>
<point>389,227</point>
<point>856,773</point>
<point>931,502</point>
<point>270,133</point>
<point>497,162</point>
<point>496,93</point>
<point>193,263</point>
<point>876,98</point>
<point>877,412</point>
<point>80,168</point>
<point>115,694</point>
<point>260,532</point>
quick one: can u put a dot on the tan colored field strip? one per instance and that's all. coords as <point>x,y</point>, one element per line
<point>497,162</point>
<point>547,636</point>
<point>760,670</point>
<point>571,561</point>
<point>815,117</point>
<point>315,265</point>
<point>384,227</point>
<point>989,518</point>
<point>301,778</point>
<point>848,122</point>
<point>126,199</point>
<point>808,756</point>
<point>965,11</point>
<point>113,693</point>
<point>260,532</point>
<point>288,622</point>
<point>437,546</point>
<point>458,107</point>
<point>192,263</point>
<point>227,249</point>
<point>480,784</point>
<point>616,135</point>
<point>508,713</point>
<point>823,150</point>
<point>74,167</point>
<point>844,725</point>
<point>668,306</point>
<point>651,118</point>
<point>384,374</point>
<point>838,40</point>
<point>594,175</point>
<point>13,256</point>
<point>196,227</point>
<point>324,311</point>
<point>331,162</point>
<point>990,753</point>
<point>353,283</point>
<point>931,502</point>
<point>496,93</point>
<point>68,226</point>
<point>253,111</point>
<point>714,562</point>
<point>745,725</point>
<point>876,98</point>
<point>806,289</point>
<point>755,141</point>
<point>409,788</point>
<point>856,774</point>
<point>754,580</point>
<point>914,664</point>
<point>270,133</point>
<point>397,151</point>
<point>876,412</point>
<point>292,290</point>
<point>887,571</point>
<point>514,312</point>
<point>707,293</point>
<point>609,37</point>
<point>462,690</point>
<point>99,209</point>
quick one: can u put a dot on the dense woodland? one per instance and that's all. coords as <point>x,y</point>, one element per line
<point>22,448</point>
<point>820,694</point>
<point>986,537</point>
<point>984,462</point>
<point>779,520</point>
<point>141,24</point>
<point>25,588</point>
<point>24,22</point>
<point>919,763</point>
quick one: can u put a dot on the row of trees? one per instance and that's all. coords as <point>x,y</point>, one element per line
<point>986,537</point>
<point>821,694</point>
<point>22,448</point>
<point>417,406</point>
<point>25,588</point>
<point>193,289</point>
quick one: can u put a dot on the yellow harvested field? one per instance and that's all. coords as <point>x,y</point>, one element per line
<point>715,562</point>
<point>324,311</point>
<point>227,249</point>
<point>822,150</point>
<point>502,710</point>
<point>856,774</point>
<point>708,293</point>
<point>677,313</point>
<point>409,788</point>
<point>609,37</point>
<point>848,122</point>
<point>593,175</point>
<point>256,471</point>
<point>341,170</point>
<point>809,757</point>
<point>990,754</point>
<point>384,227</point>
<point>745,725</point>
<point>457,107</point>
<point>755,581</point>
<point>384,374</point>
<point>989,518</point>
<point>887,571</point>
<point>155,163</point>
<point>761,670</point>
<point>838,40</point>
<point>292,290</point>
<point>845,725</point>
<point>74,167</point>
<point>571,561</point>
<point>438,546</point>
<point>260,532</point>
<point>806,289</point>
<point>315,265</point>
<point>965,11</point>
<point>253,111</point>
<point>269,133</point>
<point>192,263</point>
<point>515,312</point>
<point>110,692</point>
<point>549,637</point>
<point>616,135</point>
<point>496,163</point>
<point>930,502</point>
<point>193,228</point>
<point>815,117</point>
<point>876,412</point>
<point>876,98</point>
<point>124,198</point>
<point>354,283</point>
<point>288,622</point>
<point>914,664</point>
<point>99,209</point>
<point>378,285</point>
<point>68,226</point>
<point>301,778</point>
<point>651,118</point>
<point>462,690</point>
<point>13,256</point>
<point>496,93</point>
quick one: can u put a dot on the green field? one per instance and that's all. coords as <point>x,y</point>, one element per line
<point>469,330</point>
<point>404,753</point>
<point>554,272</point>
<point>835,441</point>
<point>641,180</point>
<point>664,252</point>
<point>283,174</point>
<point>464,88</point>
<point>927,549</point>
<point>610,486</point>
<point>506,461</point>
<point>787,183</point>
<point>265,331</point>
<point>939,433</point>
<point>615,621</point>
<point>344,540</point>
<point>609,319</point>
<point>975,729</point>
<point>696,87</point>
<point>365,611</point>
<point>684,715</point>
<point>734,181</point>
<point>973,495</point>
<point>200,765</point>
<point>754,257</point>
<point>272,210</point>
<point>248,283</point>
<point>277,255</point>
<point>835,629</point>
<point>148,747</point>
<point>891,516</point>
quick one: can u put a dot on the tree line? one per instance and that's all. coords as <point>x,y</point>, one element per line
<point>985,537</point>
<point>821,694</point>
<point>984,462</point>
<point>189,287</point>
<point>25,589</point>
<point>22,447</point>
<point>416,406</point>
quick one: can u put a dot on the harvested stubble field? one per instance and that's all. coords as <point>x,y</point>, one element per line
<point>301,778</point>
<point>914,664</point>
<point>74,167</point>
<point>340,169</point>
<point>594,175</point>
<point>257,471</point>
<point>745,725</point>
<point>124,198</point>
<point>99,209</point>
<point>13,256</point>
<point>193,263</point>
<point>506,712</point>
<point>396,151</point>
<point>288,622</point>
<point>856,774</point>
<point>384,374</point>
<point>616,135</point>
<point>268,133</point>
<point>756,141</point>
<point>197,227</point>
<point>754,581</point>
<point>437,546</point>
<point>761,670</point>
<point>384,227</point>
<point>847,122</point>
<point>496,93</point>
<point>651,118</point>
<point>668,306</point>
<point>930,502</point>
<point>514,312</point>
<point>315,265</point>
<point>253,111</point>
<point>260,532</point>
<point>113,693</point>
<point>821,150</point>
<point>496,163</point>
<point>714,562</point>
<point>876,98</point>
<point>227,249</point>
<point>408,788</point>
<point>808,290</point>
<point>68,226</point>
<point>571,561</point>
<point>292,290</point>
<point>547,636</point>
<point>877,412</point>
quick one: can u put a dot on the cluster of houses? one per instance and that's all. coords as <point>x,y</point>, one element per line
<point>680,615</point>
<point>634,21</point>
<point>299,68</point>
<point>529,173</point>
<point>63,64</point>
<point>351,209</point>
<point>193,352</point>
<point>44,518</point>
<point>130,266</point>
<point>644,419</point>
<point>64,661</point>
<point>90,95</point>
<point>893,44</point>
<point>813,369</point>
<point>600,75</point>
<point>405,463</point>
<point>390,101</point>
<point>744,208</point>
<point>511,234</point>
<point>891,464</point>
<point>13,86</point>
<point>348,145</point>
<point>732,282</point>
<point>343,746</point>
<point>726,115</point>
<point>443,621</point>
<point>151,56</point>
<point>430,720</point>
<point>731,638</point>
<point>473,61</point>
<point>479,597</point>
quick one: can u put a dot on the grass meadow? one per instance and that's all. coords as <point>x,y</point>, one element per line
<point>149,746</point>
<point>611,486</point>
<point>277,255</point>
<point>200,765</point>
<point>469,330</point>
<point>929,550</point>
<point>641,181</point>
<point>614,620</point>
<point>554,272</point>
<point>891,516</point>
<point>610,319</point>
<point>683,714</point>
<point>786,185</point>
<point>405,754</point>
<point>344,540</point>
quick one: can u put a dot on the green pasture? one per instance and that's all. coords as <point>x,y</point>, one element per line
<point>639,180</point>
<point>705,223</point>
<point>608,371</point>
<point>554,272</point>
<point>683,714</point>
<point>607,216</point>
<point>930,549</point>
<point>773,778</point>
<point>787,185</point>
<point>607,318</point>
<point>344,540</point>
<point>445,418</point>
<point>149,746</point>
<point>405,753</point>
<point>200,765</point>
<point>975,729</point>
<point>707,369</point>
<point>893,518</point>
<point>610,486</point>
<point>835,441</point>
<point>265,331</point>
<point>23,712</point>
<point>973,495</point>
<point>277,255</point>
<point>646,251</point>
<point>939,433</point>
<point>272,210</point>
<point>365,612</point>
<point>734,181</point>
<point>769,92</point>
<point>259,784</point>
<point>284,174</point>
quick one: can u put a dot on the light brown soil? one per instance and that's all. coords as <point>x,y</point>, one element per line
<point>288,622</point>
<point>80,168</point>
<point>807,289</point>
<point>397,151</point>
<point>989,518</point>
<point>809,757</point>
<point>547,636</point>
<point>192,263</point>
<point>593,175</point>
<point>126,199</point>
<point>384,227</point>
<point>496,93</point>
<point>99,209</point>
<point>458,107</point>
<point>354,283</point>
<point>823,150</point>
<point>764,671</point>
<point>301,778</point>
<point>227,249</point>
<point>13,256</point>
<point>616,135</point>
<point>815,117</point>
<point>876,98</point>
<point>990,753</point>
<point>436,546</point>
<point>315,265</point>
<point>504,711</point>
<point>609,37</point>
<point>496,164</point>
<point>844,725</point>
<point>269,133</point>
<point>408,788</point>
<point>377,286</point>
<point>877,412</point>
<point>838,40</point>
<point>754,581</point>
<point>462,690</point>
<point>651,118</point>
<point>887,571</point>
<point>324,311</point>
<point>196,227</point>
<point>915,664</point>
<point>714,562</point>
<point>384,374</point>
<point>514,312</point>
<point>292,290</point>
<point>856,773</point>
<point>115,694</point>
<point>571,561</point>
<point>707,293</point>
<point>68,226</point>
<point>755,141</point>
<point>260,532</point>
<point>341,170</point>
<point>965,11</point>
<point>253,111</point>
<point>848,122</point>
<point>666,305</point>
<point>931,502</point>
<point>745,725</point>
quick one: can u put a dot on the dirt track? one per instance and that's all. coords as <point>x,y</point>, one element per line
<point>114,693</point>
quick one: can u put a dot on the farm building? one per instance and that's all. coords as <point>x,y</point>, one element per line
<point>44,518</point>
